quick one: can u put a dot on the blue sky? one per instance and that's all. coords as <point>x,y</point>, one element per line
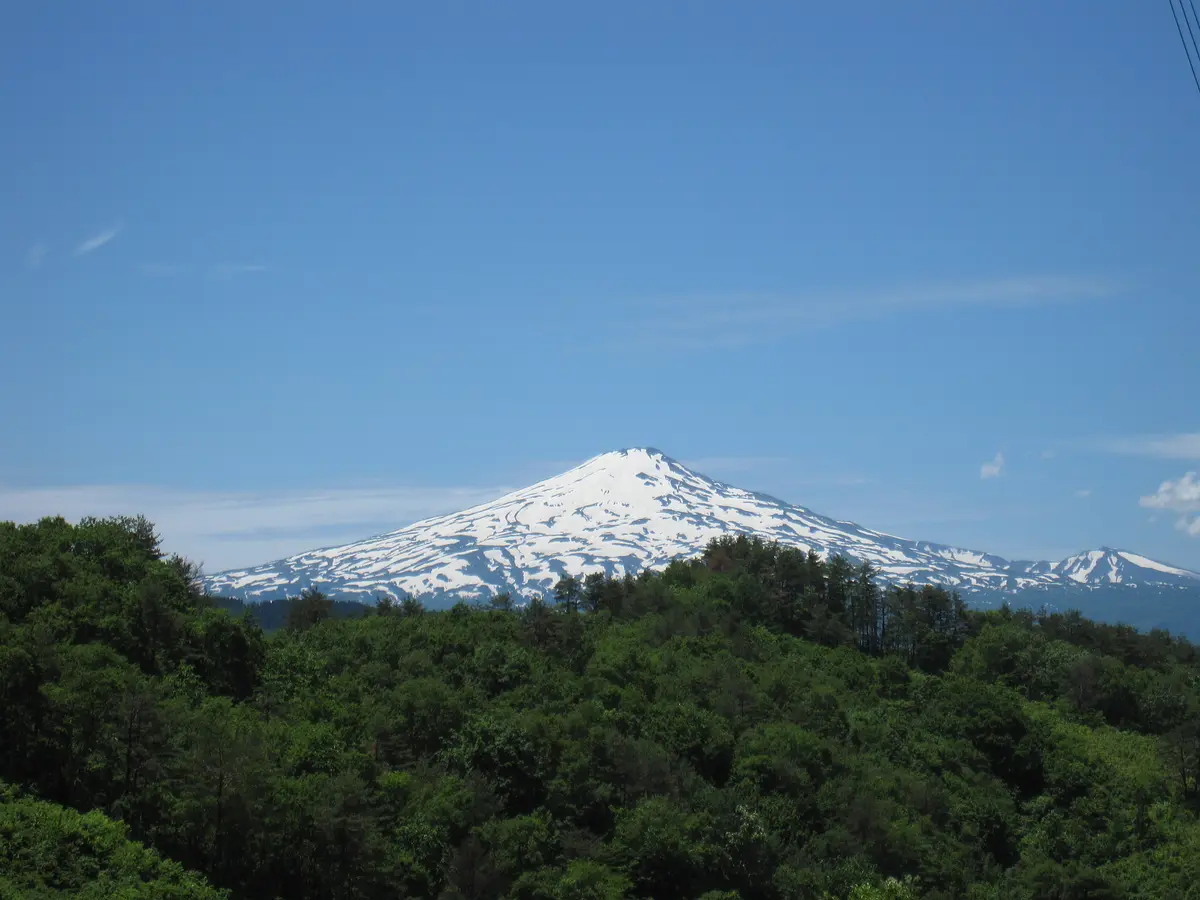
<point>280,275</point>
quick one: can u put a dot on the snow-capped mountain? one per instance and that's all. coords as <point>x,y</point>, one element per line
<point>634,509</point>
<point>1108,567</point>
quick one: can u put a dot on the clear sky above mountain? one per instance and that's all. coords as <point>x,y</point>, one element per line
<point>281,275</point>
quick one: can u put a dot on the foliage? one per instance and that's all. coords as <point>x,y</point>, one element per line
<point>272,615</point>
<point>756,724</point>
<point>47,852</point>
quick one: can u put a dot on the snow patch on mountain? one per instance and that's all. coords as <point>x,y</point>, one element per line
<point>629,510</point>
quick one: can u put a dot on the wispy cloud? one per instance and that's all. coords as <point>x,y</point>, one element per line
<point>782,469</point>
<point>832,481</point>
<point>98,240</point>
<point>36,254</point>
<point>993,469</point>
<point>1182,445</point>
<point>1083,493</point>
<point>738,320</point>
<point>159,270</point>
<point>232,270</point>
<point>1180,496</point>
<point>226,529</point>
<point>219,272</point>
<point>708,464</point>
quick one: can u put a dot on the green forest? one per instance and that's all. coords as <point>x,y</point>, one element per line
<point>755,723</point>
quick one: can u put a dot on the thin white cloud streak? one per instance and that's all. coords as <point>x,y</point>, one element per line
<point>993,469</point>
<point>779,467</point>
<point>709,464</point>
<point>159,270</point>
<point>37,253</point>
<point>232,270</point>
<point>834,481</point>
<point>1083,493</point>
<point>230,529</point>
<point>1181,445</point>
<point>1178,495</point>
<point>739,320</point>
<point>220,272</point>
<point>96,241</point>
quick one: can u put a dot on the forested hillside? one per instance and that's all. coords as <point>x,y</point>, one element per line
<point>755,723</point>
<point>48,852</point>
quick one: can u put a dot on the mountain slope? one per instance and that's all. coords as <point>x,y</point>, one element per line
<point>633,509</point>
<point>1107,566</point>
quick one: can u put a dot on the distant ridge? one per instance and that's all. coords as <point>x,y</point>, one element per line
<point>629,510</point>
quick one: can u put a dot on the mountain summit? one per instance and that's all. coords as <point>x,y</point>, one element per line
<point>630,510</point>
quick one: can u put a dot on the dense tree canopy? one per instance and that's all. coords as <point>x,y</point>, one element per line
<point>756,723</point>
<point>48,852</point>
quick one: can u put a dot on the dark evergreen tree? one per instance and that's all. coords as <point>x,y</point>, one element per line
<point>568,592</point>
<point>311,608</point>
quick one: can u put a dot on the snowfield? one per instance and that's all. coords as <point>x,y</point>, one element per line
<point>630,510</point>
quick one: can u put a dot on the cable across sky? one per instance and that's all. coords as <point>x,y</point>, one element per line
<point>1195,47</point>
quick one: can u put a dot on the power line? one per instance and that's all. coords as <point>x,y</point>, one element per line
<point>1183,40</point>
<point>1182,9</point>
